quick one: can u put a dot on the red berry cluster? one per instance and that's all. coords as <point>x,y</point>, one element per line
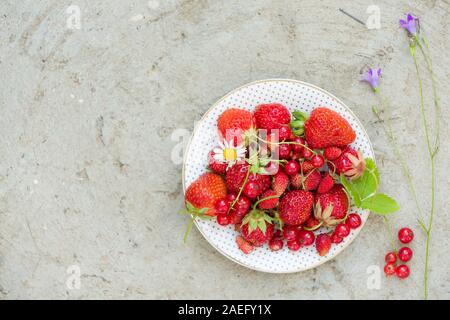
<point>404,254</point>
<point>303,194</point>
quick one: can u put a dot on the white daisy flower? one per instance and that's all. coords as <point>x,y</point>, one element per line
<point>227,152</point>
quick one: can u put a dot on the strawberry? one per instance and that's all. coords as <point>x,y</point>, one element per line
<point>272,116</point>
<point>216,166</point>
<point>245,246</point>
<point>280,182</point>
<point>204,192</point>
<point>306,166</point>
<point>325,184</point>
<point>257,227</point>
<point>234,122</point>
<point>326,128</point>
<point>332,153</point>
<point>295,207</point>
<point>308,182</point>
<point>332,206</point>
<point>235,178</point>
<point>269,203</point>
<point>351,163</point>
<point>323,244</point>
<point>312,224</point>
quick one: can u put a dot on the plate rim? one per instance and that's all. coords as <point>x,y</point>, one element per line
<point>183,170</point>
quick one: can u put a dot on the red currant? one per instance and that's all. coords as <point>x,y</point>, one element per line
<point>405,235</point>
<point>306,238</point>
<point>292,167</point>
<point>222,206</point>
<point>290,232</point>
<point>389,269</point>
<point>222,219</point>
<point>405,254</point>
<point>275,244</point>
<point>336,239</point>
<point>278,234</point>
<point>284,133</point>
<point>306,153</point>
<point>342,230</point>
<point>284,151</point>
<point>251,189</point>
<point>299,144</point>
<point>317,161</point>
<point>231,197</point>
<point>294,245</point>
<point>402,271</point>
<point>390,257</point>
<point>353,220</point>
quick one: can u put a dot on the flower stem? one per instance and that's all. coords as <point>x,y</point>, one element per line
<point>391,236</point>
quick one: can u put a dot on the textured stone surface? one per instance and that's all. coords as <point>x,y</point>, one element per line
<point>87,117</point>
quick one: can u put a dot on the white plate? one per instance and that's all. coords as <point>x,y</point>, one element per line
<point>295,95</point>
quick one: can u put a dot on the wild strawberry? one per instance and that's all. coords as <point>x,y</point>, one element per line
<point>275,244</point>
<point>269,203</point>
<point>342,230</point>
<point>326,128</point>
<point>405,235</point>
<point>290,232</point>
<point>308,182</point>
<point>271,116</point>
<point>325,184</point>
<point>235,178</point>
<point>307,166</point>
<point>306,238</point>
<point>257,227</point>
<point>353,220</point>
<point>402,271</point>
<point>204,192</point>
<point>292,167</point>
<point>317,160</point>
<point>295,207</point>
<point>245,246</point>
<point>234,122</point>
<point>280,183</point>
<point>351,163</point>
<point>331,207</point>
<point>294,245</point>
<point>332,153</point>
<point>389,269</point>
<point>216,166</point>
<point>405,254</point>
<point>323,244</point>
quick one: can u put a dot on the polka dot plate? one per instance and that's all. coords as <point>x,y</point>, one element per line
<point>295,95</point>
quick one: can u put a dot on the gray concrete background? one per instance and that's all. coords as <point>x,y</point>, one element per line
<point>86,122</point>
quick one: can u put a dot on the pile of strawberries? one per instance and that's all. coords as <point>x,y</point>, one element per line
<point>284,201</point>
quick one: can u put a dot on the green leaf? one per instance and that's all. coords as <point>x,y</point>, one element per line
<point>367,185</point>
<point>380,204</point>
<point>351,190</point>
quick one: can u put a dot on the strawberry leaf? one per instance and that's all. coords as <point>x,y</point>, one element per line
<point>380,204</point>
<point>351,190</point>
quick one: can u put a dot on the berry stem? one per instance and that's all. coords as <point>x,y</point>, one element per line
<point>264,199</point>
<point>391,236</point>
<point>240,191</point>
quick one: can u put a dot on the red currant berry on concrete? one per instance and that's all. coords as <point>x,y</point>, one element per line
<point>305,237</point>
<point>294,245</point>
<point>292,167</point>
<point>405,254</point>
<point>390,257</point>
<point>290,233</point>
<point>275,244</point>
<point>342,230</point>
<point>317,161</point>
<point>353,220</point>
<point>402,271</point>
<point>389,269</point>
<point>222,219</point>
<point>405,235</point>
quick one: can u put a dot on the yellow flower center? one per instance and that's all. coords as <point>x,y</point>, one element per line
<point>229,154</point>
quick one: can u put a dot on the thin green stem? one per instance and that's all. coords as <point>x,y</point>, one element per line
<point>391,236</point>
<point>240,191</point>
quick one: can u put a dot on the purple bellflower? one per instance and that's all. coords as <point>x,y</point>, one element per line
<point>410,24</point>
<point>372,77</point>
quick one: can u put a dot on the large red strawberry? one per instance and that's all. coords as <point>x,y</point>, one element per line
<point>271,116</point>
<point>351,163</point>
<point>295,207</point>
<point>326,128</point>
<point>332,206</point>
<point>234,122</point>
<point>257,227</point>
<point>256,183</point>
<point>215,165</point>
<point>204,192</point>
